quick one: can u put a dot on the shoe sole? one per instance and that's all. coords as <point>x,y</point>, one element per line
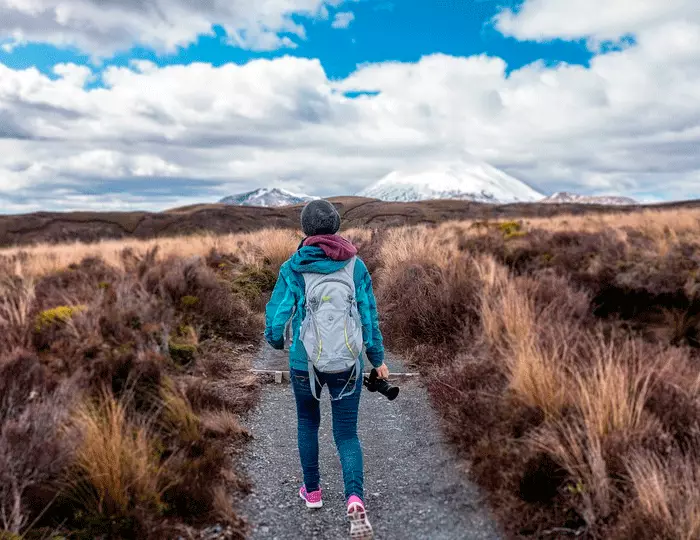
<point>360,528</point>
<point>319,504</point>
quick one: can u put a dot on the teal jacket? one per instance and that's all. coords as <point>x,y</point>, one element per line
<point>288,301</point>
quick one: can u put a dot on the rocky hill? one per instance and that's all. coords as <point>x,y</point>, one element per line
<point>564,197</point>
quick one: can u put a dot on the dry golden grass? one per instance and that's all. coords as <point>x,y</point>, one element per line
<point>253,248</point>
<point>660,223</point>
<point>511,326</point>
<point>273,246</point>
<point>178,416</point>
<point>117,465</point>
<point>222,505</point>
<point>16,297</point>
<point>613,394</point>
<point>222,423</point>
<point>580,453</point>
<point>358,236</point>
<point>668,493</point>
<point>109,318</point>
<point>402,244</point>
<point>448,288</point>
<point>559,378</point>
<point>414,245</point>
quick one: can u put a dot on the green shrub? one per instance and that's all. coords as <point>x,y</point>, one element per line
<point>182,353</point>
<point>511,229</point>
<point>59,314</point>
<point>253,282</point>
<point>183,345</point>
<point>189,301</point>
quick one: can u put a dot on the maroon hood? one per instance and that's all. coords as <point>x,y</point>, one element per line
<point>334,246</point>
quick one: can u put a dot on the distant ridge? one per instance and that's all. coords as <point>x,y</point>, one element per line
<point>269,197</point>
<point>564,197</point>
<point>356,212</point>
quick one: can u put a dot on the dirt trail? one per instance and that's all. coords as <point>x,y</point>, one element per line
<point>413,487</point>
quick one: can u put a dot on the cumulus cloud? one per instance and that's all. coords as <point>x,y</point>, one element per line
<point>343,19</point>
<point>155,137</point>
<point>102,27</point>
<point>598,20</point>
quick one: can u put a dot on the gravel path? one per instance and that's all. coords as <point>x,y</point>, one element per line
<point>413,487</point>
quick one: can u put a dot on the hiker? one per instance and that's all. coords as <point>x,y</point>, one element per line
<point>327,291</point>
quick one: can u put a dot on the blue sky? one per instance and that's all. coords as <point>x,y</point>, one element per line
<point>402,30</point>
<point>560,98</point>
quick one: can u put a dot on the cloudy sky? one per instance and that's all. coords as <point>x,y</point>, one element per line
<point>151,104</point>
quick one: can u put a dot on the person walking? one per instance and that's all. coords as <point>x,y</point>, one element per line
<point>326,291</point>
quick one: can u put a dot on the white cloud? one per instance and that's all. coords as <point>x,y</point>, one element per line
<point>599,20</point>
<point>102,27</point>
<point>629,124</point>
<point>343,19</point>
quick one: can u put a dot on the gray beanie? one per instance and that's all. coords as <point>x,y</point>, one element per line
<point>319,217</point>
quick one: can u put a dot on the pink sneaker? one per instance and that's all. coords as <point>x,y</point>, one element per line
<point>313,499</point>
<point>360,529</point>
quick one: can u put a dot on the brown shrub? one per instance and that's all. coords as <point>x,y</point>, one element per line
<point>191,476</point>
<point>16,299</point>
<point>546,390</point>
<point>141,460</point>
<point>234,396</point>
<point>77,284</point>
<point>33,454</point>
<point>223,424</point>
<point>219,311</point>
<point>369,247</point>
<point>426,303</point>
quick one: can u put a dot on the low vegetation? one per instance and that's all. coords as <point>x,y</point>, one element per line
<point>563,355</point>
<point>561,352</point>
<point>123,373</point>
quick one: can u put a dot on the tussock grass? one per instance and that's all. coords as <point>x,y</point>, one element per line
<point>580,453</point>
<point>16,298</point>
<point>117,468</point>
<point>612,394</point>
<point>271,246</point>
<point>562,353</point>
<point>133,328</point>
<point>223,423</point>
<point>564,359</point>
<point>667,495</point>
<point>177,414</point>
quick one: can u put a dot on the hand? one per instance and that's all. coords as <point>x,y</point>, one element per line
<point>383,372</point>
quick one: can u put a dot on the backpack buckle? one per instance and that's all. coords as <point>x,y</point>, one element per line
<point>313,304</point>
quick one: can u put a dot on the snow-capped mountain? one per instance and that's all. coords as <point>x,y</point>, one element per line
<point>267,197</point>
<point>466,180</point>
<point>564,197</point>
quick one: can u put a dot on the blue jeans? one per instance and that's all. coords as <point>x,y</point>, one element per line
<point>344,428</point>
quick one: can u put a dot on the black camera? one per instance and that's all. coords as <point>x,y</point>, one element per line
<point>375,384</point>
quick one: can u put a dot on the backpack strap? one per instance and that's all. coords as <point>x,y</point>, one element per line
<point>313,380</point>
<point>357,375</point>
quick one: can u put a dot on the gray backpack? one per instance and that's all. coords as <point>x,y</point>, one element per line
<point>332,330</point>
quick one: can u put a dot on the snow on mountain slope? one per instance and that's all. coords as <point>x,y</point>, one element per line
<point>267,197</point>
<point>564,197</point>
<point>466,180</point>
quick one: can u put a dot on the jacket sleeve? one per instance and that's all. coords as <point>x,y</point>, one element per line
<point>367,306</point>
<point>278,311</point>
